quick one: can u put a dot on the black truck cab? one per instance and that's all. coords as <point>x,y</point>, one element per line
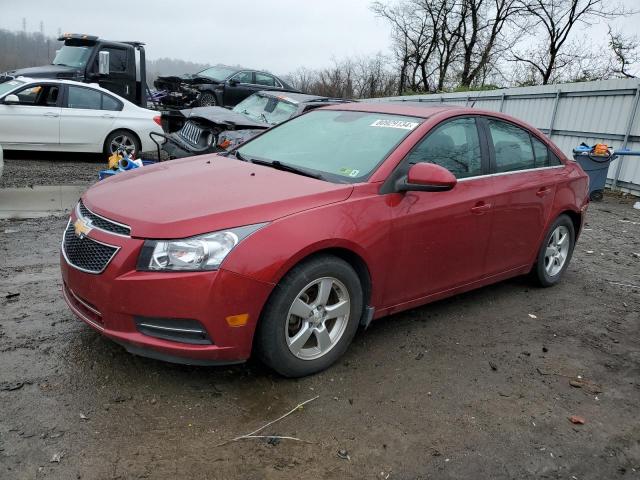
<point>115,66</point>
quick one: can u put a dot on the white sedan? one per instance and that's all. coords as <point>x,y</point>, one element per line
<point>67,116</point>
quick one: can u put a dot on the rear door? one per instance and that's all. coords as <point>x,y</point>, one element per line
<point>525,176</point>
<point>84,124</point>
<point>35,120</point>
<point>440,238</point>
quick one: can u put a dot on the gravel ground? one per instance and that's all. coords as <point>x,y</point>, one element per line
<point>476,386</point>
<point>25,169</point>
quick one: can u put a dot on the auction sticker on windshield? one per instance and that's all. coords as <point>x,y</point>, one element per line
<point>395,124</point>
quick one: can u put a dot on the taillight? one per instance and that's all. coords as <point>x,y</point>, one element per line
<point>158,120</point>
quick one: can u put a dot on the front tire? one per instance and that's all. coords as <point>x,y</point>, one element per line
<point>555,252</point>
<point>207,99</point>
<point>311,317</point>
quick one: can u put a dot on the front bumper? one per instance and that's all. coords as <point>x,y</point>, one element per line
<point>110,301</point>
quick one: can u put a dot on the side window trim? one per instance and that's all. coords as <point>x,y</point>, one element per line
<point>402,167</point>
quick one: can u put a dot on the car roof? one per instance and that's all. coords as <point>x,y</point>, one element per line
<point>412,109</point>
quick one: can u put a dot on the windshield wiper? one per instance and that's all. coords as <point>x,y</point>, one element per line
<point>288,168</point>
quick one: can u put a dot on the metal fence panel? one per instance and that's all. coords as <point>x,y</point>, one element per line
<point>604,111</point>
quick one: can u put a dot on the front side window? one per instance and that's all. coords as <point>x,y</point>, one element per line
<point>39,95</point>
<point>243,77</point>
<point>344,146</point>
<point>216,73</point>
<point>264,79</point>
<point>512,146</point>
<point>266,109</point>
<point>117,59</point>
<point>84,98</point>
<point>454,145</point>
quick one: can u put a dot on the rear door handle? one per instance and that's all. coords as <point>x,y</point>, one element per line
<point>543,191</point>
<point>108,115</point>
<point>51,114</point>
<point>480,208</point>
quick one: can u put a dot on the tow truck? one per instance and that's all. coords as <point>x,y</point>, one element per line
<point>116,66</point>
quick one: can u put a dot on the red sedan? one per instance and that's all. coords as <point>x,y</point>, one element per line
<point>320,225</point>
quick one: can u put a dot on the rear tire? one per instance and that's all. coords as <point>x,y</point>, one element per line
<point>207,99</point>
<point>128,140</point>
<point>311,317</point>
<point>555,252</point>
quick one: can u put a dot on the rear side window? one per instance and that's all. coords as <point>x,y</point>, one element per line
<point>512,146</point>
<point>541,153</point>
<point>264,79</point>
<point>110,103</point>
<point>84,98</point>
<point>454,145</point>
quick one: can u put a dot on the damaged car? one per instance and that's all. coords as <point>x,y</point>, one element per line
<point>201,130</point>
<point>216,86</point>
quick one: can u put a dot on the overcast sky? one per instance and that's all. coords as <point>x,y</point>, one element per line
<point>276,35</point>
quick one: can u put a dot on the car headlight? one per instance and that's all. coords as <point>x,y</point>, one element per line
<point>203,252</point>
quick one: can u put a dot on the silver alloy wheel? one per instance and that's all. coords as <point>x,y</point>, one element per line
<point>207,100</point>
<point>317,318</point>
<point>123,142</point>
<point>557,251</point>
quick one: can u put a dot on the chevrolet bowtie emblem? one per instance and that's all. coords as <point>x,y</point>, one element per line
<point>82,228</point>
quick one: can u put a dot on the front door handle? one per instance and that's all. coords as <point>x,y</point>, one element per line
<point>51,114</point>
<point>108,115</point>
<point>481,208</point>
<point>543,191</point>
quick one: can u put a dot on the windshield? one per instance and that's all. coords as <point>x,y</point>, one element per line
<point>217,73</point>
<point>71,56</point>
<point>10,85</point>
<point>340,145</point>
<point>266,109</point>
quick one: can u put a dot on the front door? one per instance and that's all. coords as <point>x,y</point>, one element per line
<point>440,238</point>
<point>34,121</point>
<point>240,88</point>
<point>121,79</point>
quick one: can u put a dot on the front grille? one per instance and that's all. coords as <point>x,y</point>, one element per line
<point>191,132</point>
<point>103,223</point>
<point>84,253</point>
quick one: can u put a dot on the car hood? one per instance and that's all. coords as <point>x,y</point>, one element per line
<point>46,71</point>
<point>203,194</point>
<point>223,116</point>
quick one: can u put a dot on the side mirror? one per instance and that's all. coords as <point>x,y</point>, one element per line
<point>426,177</point>
<point>233,82</point>
<point>103,63</point>
<point>11,100</point>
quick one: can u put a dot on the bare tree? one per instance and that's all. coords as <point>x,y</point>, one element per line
<point>557,19</point>
<point>625,52</point>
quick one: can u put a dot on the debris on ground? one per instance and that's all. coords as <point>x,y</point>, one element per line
<point>12,295</point>
<point>57,457</point>
<point>576,419</point>
<point>342,453</point>
<point>531,315</point>
<point>83,417</point>
<point>493,366</point>
<point>11,386</point>
<point>586,385</point>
